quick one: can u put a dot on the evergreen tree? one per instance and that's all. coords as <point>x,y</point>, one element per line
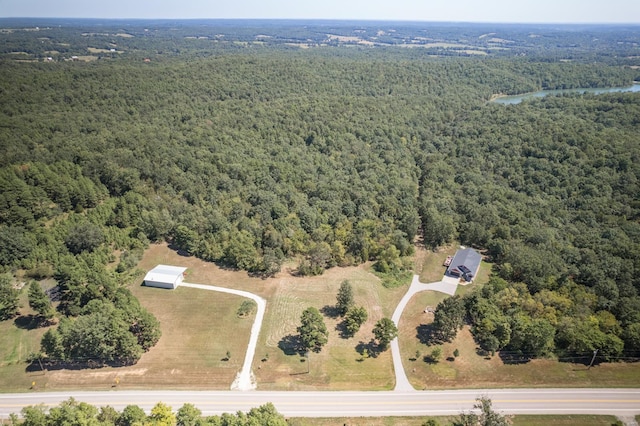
<point>353,320</point>
<point>344,298</point>
<point>9,297</point>
<point>39,301</point>
<point>313,331</point>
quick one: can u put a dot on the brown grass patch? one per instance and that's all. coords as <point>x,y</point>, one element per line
<point>18,338</point>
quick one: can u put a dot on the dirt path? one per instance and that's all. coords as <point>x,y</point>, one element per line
<point>244,381</point>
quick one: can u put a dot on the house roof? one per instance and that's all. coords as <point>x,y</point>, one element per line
<point>165,274</point>
<point>468,258</point>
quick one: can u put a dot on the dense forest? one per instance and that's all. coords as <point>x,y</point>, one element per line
<point>331,156</point>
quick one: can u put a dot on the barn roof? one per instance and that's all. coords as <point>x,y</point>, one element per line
<point>165,274</point>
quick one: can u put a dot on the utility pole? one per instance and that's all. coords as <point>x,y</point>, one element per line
<point>593,359</point>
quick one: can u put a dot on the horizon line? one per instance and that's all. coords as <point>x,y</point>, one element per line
<point>568,23</point>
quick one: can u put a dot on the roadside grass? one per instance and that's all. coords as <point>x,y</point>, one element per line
<point>198,328</point>
<point>520,420</point>
<point>366,421</point>
<point>471,369</point>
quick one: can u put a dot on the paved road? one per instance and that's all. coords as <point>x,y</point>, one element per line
<point>245,379</point>
<point>447,285</point>
<point>618,402</point>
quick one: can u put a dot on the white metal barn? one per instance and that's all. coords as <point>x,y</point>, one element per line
<point>165,276</point>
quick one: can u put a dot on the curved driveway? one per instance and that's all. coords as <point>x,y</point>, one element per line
<point>244,380</point>
<point>447,285</point>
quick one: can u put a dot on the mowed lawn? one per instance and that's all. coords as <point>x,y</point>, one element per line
<point>339,366</point>
<point>200,327</point>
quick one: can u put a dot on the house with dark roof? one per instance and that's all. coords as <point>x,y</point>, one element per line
<point>465,264</point>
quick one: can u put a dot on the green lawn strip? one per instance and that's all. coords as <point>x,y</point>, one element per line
<point>412,349</point>
<point>366,421</point>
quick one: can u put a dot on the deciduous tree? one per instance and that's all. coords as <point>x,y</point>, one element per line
<point>353,320</point>
<point>384,332</point>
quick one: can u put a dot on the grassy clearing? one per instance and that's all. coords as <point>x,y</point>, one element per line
<point>365,421</point>
<point>572,420</point>
<point>521,420</point>
<point>198,328</point>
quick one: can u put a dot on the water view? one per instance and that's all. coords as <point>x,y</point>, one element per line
<point>516,99</point>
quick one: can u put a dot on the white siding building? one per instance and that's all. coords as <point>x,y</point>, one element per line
<point>164,276</point>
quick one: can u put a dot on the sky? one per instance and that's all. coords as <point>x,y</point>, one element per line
<point>515,11</point>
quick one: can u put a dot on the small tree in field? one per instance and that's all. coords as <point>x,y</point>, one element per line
<point>344,298</point>
<point>246,308</point>
<point>353,320</point>
<point>385,331</point>
<point>313,331</point>
<point>487,417</point>
<point>436,353</point>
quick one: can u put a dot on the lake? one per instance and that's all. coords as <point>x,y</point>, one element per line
<point>516,99</point>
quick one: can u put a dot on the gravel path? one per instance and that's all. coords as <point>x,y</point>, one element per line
<point>244,380</point>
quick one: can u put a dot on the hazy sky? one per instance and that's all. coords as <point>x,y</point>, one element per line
<point>570,11</point>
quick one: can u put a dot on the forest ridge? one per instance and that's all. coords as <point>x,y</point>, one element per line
<point>247,151</point>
